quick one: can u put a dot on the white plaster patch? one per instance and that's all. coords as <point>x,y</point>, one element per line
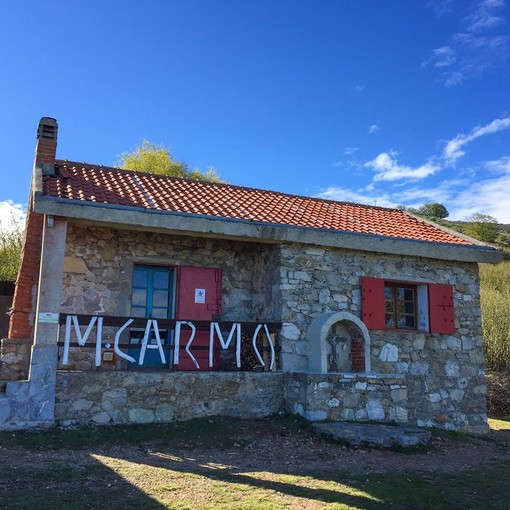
<point>389,353</point>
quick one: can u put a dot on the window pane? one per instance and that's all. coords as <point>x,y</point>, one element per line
<point>400,293</point>
<point>388,292</point>
<point>161,279</point>
<point>410,321</point>
<point>402,321</point>
<point>160,313</point>
<point>137,311</point>
<point>409,307</point>
<point>139,297</point>
<point>390,321</point>
<point>389,307</point>
<point>140,277</point>
<point>409,294</point>
<point>160,298</point>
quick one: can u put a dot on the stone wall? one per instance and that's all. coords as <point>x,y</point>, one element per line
<point>14,359</point>
<point>348,397</point>
<point>443,373</point>
<point>99,266</point>
<point>426,379</point>
<point>104,398</point>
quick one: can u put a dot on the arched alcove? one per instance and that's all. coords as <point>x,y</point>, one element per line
<point>338,335</point>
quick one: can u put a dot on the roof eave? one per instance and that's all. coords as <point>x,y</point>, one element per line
<point>182,223</point>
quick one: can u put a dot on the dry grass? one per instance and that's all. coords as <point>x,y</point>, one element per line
<point>495,303</point>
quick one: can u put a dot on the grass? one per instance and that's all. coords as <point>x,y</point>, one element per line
<point>156,467</point>
<point>495,297</point>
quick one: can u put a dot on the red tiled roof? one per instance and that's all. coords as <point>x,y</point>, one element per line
<point>90,183</point>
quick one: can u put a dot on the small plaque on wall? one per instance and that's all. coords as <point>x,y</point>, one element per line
<point>48,317</point>
<point>200,296</point>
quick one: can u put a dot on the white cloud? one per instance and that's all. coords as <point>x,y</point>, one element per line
<point>441,7</point>
<point>349,151</point>
<point>453,149</point>
<point>359,88</point>
<point>487,197</point>
<point>441,57</point>
<point>416,196</point>
<point>373,129</point>
<point>347,195</point>
<point>388,169</point>
<point>483,17</point>
<point>11,214</point>
<point>475,48</point>
<point>480,187</point>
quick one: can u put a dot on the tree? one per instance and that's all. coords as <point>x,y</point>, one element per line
<point>11,244</point>
<point>433,210</point>
<point>156,159</point>
<point>482,227</point>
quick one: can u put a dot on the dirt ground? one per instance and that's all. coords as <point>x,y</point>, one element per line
<point>268,445</point>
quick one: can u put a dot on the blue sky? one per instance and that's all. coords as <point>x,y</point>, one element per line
<point>380,102</point>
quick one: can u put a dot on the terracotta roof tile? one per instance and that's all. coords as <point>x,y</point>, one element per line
<point>91,183</point>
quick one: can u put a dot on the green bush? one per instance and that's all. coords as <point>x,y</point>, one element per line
<point>495,302</point>
<point>11,242</point>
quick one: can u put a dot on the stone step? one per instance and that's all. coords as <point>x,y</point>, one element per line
<point>373,434</point>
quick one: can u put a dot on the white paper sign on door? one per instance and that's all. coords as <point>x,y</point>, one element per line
<point>199,295</point>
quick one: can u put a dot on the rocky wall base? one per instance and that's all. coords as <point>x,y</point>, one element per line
<point>108,398</point>
<point>347,397</point>
<point>14,359</point>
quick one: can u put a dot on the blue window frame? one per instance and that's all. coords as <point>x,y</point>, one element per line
<point>152,297</point>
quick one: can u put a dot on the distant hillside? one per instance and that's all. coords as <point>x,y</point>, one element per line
<point>503,241</point>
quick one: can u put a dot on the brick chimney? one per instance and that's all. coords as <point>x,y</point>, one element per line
<point>21,324</point>
<point>46,147</point>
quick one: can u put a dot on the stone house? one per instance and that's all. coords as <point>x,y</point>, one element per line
<point>143,298</point>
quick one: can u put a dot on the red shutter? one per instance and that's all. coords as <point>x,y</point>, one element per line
<point>372,302</point>
<point>441,309</point>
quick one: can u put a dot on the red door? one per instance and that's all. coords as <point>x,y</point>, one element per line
<point>198,299</point>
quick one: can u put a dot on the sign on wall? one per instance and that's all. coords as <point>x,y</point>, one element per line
<point>151,331</point>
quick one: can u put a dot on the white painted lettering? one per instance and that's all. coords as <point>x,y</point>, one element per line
<point>236,328</point>
<point>116,347</point>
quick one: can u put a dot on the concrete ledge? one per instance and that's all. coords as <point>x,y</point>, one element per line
<point>180,223</point>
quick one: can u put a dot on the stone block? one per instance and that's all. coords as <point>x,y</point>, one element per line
<point>399,395</point>
<point>375,410</point>
<point>351,400</point>
<point>452,368</point>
